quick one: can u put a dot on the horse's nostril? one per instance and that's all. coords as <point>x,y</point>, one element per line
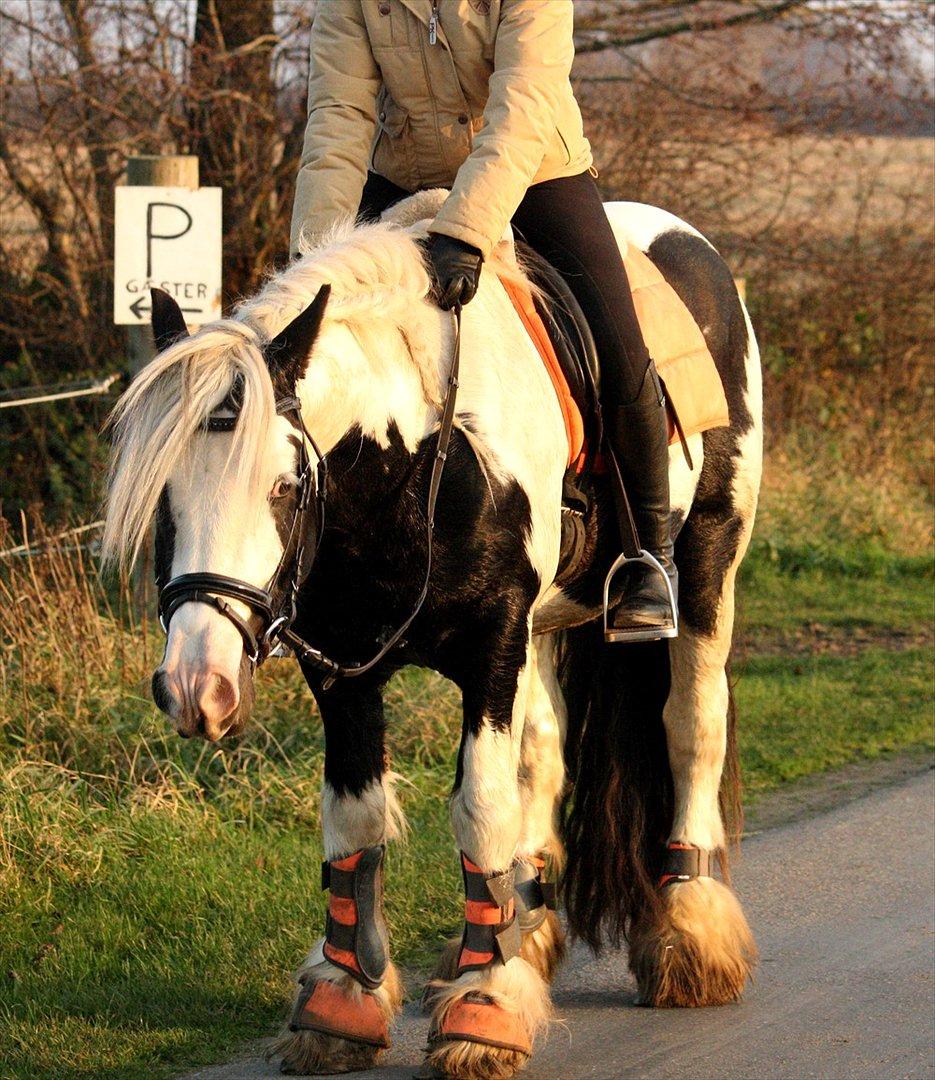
<point>218,698</point>
<point>162,695</point>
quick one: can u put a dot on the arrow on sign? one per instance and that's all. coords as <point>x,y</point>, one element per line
<point>139,307</point>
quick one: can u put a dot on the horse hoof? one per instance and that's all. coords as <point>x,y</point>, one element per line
<point>473,1061</point>
<point>312,1053</point>
<point>315,1044</point>
<point>700,951</point>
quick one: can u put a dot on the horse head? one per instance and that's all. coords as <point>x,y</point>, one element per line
<point>203,429</point>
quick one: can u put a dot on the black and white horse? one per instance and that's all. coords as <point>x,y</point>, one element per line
<point>613,765</point>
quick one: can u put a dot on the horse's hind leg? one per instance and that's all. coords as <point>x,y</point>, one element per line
<point>349,991</point>
<point>489,1002</point>
<point>697,949</point>
<point>542,779</point>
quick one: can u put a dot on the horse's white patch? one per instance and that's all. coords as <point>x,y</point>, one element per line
<point>486,810</point>
<point>683,481</point>
<point>542,765</point>
<point>695,715</point>
<point>640,224</point>
<point>351,822</point>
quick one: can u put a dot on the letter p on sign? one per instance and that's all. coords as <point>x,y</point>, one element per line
<point>167,238</point>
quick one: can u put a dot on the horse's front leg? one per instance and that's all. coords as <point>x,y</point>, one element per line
<point>348,989</point>
<point>490,1003</point>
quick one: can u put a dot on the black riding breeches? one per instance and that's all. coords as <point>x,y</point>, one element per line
<point>563,220</point>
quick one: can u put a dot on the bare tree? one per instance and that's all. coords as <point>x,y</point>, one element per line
<point>773,125</point>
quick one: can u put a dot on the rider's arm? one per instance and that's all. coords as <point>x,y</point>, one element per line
<point>533,54</point>
<point>344,81</point>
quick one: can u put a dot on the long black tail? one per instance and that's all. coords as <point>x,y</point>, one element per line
<point>618,812</point>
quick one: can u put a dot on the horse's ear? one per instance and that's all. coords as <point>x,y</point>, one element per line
<point>289,350</point>
<point>168,321</point>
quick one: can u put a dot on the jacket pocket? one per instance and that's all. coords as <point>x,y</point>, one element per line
<point>392,118</point>
<point>562,140</point>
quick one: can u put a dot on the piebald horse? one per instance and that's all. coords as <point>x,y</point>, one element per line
<point>611,769</point>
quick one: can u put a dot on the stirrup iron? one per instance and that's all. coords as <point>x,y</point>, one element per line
<point>615,634</point>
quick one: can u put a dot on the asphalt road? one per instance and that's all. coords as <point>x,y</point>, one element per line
<point>843,907</point>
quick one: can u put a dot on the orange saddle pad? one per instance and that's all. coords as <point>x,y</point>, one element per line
<point>673,338</point>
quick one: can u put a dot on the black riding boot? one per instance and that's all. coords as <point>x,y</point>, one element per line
<point>638,435</point>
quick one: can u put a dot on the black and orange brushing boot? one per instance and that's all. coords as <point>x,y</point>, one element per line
<point>491,929</point>
<point>491,936</point>
<point>356,941</point>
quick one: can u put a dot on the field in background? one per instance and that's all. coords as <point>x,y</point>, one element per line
<point>155,893</point>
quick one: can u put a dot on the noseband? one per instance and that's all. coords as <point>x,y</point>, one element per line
<point>275,621</point>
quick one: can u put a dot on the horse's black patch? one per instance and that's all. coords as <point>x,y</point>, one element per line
<point>707,544</point>
<point>473,626</point>
<point>165,540</point>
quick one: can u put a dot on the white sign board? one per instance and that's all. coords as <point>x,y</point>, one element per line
<point>167,238</point>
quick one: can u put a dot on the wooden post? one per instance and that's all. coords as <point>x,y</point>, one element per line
<point>152,171</point>
<point>155,171</point>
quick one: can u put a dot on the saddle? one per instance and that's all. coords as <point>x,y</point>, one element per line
<point>695,398</point>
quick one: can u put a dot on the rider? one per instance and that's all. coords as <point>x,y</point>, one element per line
<point>475,95</point>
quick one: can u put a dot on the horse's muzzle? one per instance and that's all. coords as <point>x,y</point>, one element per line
<point>207,704</point>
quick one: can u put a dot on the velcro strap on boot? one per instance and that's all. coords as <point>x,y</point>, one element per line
<point>475,1018</point>
<point>491,929</point>
<point>534,897</point>
<point>356,938</point>
<point>325,1006</point>
<point>683,862</point>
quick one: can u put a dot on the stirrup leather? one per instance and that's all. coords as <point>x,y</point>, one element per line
<point>643,633</point>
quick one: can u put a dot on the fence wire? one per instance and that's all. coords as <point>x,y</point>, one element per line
<point>37,395</point>
<point>37,549</point>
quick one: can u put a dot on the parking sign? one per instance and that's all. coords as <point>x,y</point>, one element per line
<point>167,238</point>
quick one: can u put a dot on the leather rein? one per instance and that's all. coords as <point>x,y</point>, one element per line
<point>276,621</point>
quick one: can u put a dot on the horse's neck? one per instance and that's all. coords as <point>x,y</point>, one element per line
<point>347,395</point>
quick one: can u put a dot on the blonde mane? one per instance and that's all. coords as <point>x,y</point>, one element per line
<point>378,281</point>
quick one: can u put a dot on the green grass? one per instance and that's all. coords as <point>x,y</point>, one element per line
<point>155,894</point>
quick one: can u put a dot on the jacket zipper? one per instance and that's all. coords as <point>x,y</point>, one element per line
<point>433,23</point>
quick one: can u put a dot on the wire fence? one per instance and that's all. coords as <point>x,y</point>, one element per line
<point>37,395</point>
<point>37,549</point>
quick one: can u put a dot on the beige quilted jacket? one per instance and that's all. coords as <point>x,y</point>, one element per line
<point>486,109</point>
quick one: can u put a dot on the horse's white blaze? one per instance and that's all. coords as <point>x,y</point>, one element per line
<point>222,528</point>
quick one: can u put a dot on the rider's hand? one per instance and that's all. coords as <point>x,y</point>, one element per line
<point>455,268</point>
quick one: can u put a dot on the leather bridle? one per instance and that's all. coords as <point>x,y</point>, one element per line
<point>276,619</point>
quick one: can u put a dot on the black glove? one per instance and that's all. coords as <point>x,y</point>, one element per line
<point>455,269</point>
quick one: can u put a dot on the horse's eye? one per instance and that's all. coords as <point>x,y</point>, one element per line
<point>281,489</point>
